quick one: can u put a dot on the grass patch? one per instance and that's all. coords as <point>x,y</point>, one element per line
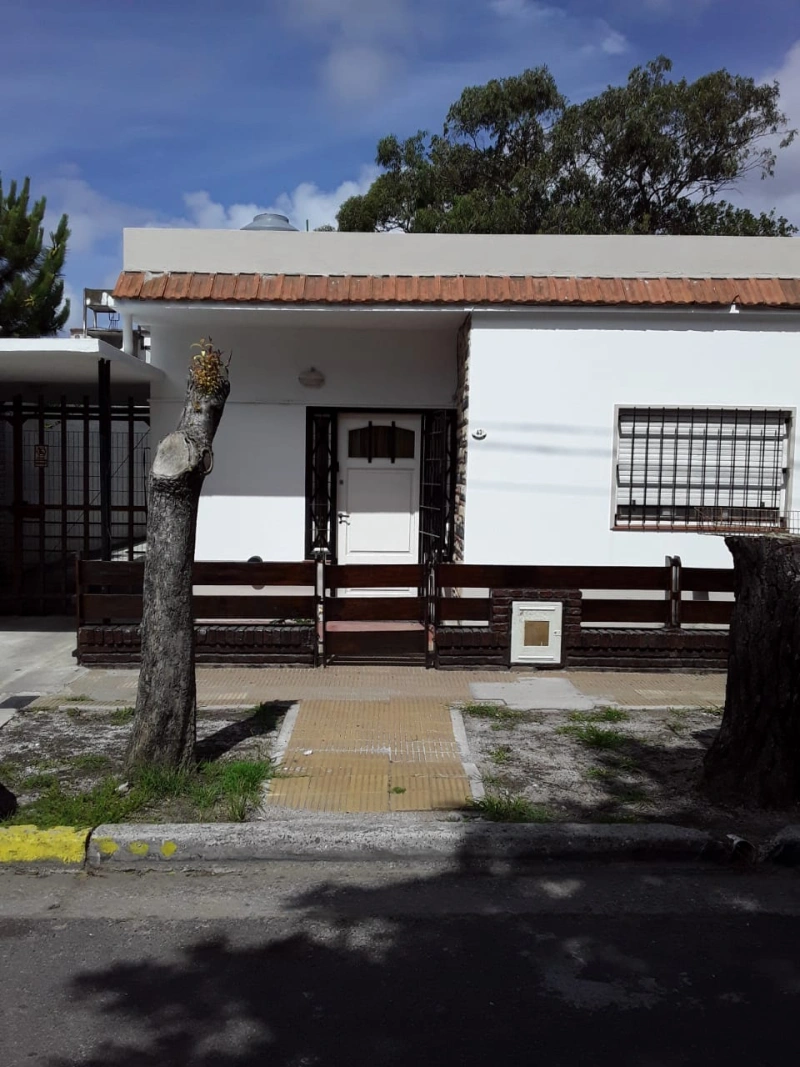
<point>603,715</point>
<point>10,772</point>
<point>398,789</point>
<point>55,807</point>
<point>227,789</point>
<point>499,715</point>
<point>511,807</point>
<point>501,755</point>
<point>42,780</point>
<point>593,736</point>
<point>601,774</point>
<point>121,716</point>
<point>90,761</point>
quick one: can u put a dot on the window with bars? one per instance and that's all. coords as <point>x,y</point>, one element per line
<point>702,468</point>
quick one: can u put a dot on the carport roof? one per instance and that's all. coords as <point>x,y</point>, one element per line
<point>68,360</point>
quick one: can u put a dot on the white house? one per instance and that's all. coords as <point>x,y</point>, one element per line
<point>489,399</point>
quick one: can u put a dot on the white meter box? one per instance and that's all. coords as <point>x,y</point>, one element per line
<point>536,632</point>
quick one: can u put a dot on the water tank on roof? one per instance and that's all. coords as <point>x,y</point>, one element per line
<point>269,220</point>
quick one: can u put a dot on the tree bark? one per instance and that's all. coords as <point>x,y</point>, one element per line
<point>755,758</point>
<point>164,726</point>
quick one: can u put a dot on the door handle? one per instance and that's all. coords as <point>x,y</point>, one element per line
<point>344,516</point>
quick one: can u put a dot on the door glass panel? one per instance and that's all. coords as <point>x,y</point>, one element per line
<point>381,442</point>
<point>536,633</point>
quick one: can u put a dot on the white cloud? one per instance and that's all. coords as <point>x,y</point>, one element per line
<point>93,217</point>
<point>614,43</point>
<point>365,43</point>
<point>305,203</point>
<point>94,254</point>
<point>308,202</point>
<point>525,10</point>
<point>783,191</point>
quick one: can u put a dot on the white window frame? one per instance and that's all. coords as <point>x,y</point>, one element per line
<point>715,513</point>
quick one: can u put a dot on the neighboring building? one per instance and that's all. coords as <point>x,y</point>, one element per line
<point>491,399</point>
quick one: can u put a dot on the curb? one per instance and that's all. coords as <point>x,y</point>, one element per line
<point>464,842</point>
<point>64,845</point>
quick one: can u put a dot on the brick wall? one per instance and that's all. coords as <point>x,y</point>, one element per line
<point>112,646</point>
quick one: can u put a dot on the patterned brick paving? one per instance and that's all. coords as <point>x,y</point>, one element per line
<point>371,755</point>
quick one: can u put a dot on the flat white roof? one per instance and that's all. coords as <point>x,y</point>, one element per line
<point>268,252</point>
<point>67,360</point>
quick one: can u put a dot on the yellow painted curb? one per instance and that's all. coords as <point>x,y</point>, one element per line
<point>27,844</point>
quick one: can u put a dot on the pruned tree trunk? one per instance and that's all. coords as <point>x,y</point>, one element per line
<point>755,758</point>
<point>164,726</point>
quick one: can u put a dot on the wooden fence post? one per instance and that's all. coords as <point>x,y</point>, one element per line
<point>319,650</point>
<point>673,564</point>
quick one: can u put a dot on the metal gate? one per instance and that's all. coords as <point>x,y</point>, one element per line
<point>51,506</point>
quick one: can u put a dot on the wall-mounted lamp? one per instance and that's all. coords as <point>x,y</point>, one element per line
<point>479,435</point>
<point>312,378</point>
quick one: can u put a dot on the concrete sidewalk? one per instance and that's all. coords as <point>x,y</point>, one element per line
<point>379,739</point>
<point>231,686</point>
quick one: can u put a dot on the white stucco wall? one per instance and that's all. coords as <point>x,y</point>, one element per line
<point>544,388</point>
<point>253,502</point>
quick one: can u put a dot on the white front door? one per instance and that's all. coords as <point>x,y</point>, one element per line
<point>378,498</point>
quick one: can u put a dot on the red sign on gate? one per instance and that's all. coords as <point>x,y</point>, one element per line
<point>40,455</point>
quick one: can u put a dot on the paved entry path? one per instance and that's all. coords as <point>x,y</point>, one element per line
<point>371,755</point>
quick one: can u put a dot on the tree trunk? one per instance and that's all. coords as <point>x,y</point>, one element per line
<point>755,759</point>
<point>164,726</point>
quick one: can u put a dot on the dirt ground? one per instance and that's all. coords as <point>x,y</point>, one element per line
<point>608,766</point>
<point>80,746</point>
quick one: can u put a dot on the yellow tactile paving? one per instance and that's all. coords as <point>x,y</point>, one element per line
<point>378,755</point>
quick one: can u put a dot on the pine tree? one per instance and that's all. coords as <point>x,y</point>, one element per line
<point>31,287</point>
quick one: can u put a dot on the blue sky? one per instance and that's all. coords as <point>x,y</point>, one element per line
<point>164,112</point>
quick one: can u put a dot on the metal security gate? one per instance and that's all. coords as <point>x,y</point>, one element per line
<point>52,507</point>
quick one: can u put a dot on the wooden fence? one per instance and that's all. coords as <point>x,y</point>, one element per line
<point>405,612</point>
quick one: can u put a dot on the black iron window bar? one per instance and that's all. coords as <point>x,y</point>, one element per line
<point>702,468</point>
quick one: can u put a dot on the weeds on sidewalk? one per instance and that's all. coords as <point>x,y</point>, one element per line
<point>510,807</point>
<point>501,755</point>
<point>500,716</point>
<point>225,790</point>
<point>593,736</point>
<point>121,716</point>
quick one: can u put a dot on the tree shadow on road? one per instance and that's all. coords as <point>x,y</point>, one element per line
<point>447,970</point>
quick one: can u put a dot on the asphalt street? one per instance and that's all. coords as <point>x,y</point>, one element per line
<point>385,964</point>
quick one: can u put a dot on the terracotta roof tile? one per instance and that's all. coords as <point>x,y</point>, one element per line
<point>153,288</point>
<point>176,287</point>
<point>224,287</point>
<point>246,286</point>
<point>452,289</point>
<point>360,290</point>
<point>430,289</point>
<point>338,289</point>
<point>270,287</point>
<point>293,285</point>
<point>475,290</point>
<point>497,290</point>
<point>200,287</point>
<point>129,284</point>
<point>459,290</point>
<point>315,290</point>
<point>407,289</point>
